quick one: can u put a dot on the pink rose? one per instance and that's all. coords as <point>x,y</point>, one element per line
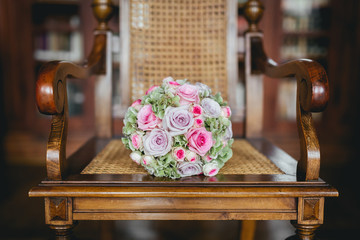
<point>210,169</point>
<point>152,88</point>
<point>198,122</point>
<point>136,140</point>
<point>136,104</point>
<point>146,118</point>
<point>196,110</point>
<point>174,84</point>
<point>200,140</point>
<point>226,112</point>
<point>179,153</point>
<point>188,93</point>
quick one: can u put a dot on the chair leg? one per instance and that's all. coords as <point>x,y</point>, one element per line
<point>63,232</point>
<point>304,231</point>
<point>247,229</point>
<point>107,230</point>
<point>58,216</point>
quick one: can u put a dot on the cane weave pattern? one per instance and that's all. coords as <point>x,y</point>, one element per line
<point>178,38</point>
<point>114,159</point>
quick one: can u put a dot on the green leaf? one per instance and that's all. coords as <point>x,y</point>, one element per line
<point>126,142</point>
<point>180,141</point>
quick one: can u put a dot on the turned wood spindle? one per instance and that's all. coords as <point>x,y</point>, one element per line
<point>303,231</point>
<point>103,11</point>
<point>63,232</point>
<point>254,10</point>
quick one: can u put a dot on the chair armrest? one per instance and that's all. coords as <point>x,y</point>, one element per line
<point>51,99</point>
<point>312,96</point>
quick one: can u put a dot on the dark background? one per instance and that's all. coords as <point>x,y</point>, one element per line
<point>23,132</point>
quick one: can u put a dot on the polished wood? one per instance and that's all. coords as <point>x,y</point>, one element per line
<point>59,216</point>
<point>62,232</point>
<point>304,232</point>
<point>183,192</point>
<point>58,211</point>
<point>179,204</point>
<point>250,226</point>
<point>311,210</point>
<point>17,69</point>
<point>188,216</point>
<point>103,11</point>
<point>51,99</point>
<point>253,10</point>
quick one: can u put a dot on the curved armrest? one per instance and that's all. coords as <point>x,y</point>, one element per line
<point>51,99</point>
<point>312,96</point>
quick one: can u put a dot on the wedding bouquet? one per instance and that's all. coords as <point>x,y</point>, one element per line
<point>179,129</point>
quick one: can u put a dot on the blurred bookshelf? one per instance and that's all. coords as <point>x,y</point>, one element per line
<point>58,34</point>
<point>305,27</point>
<point>57,31</point>
<point>305,34</point>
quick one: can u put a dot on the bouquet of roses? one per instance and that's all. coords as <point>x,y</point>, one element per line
<point>179,129</point>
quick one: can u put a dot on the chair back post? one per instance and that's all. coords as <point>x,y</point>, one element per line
<point>232,58</point>
<point>254,90</point>
<point>125,54</point>
<point>103,11</point>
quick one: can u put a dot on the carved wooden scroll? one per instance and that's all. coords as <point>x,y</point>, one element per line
<point>51,96</point>
<point>312,96</point>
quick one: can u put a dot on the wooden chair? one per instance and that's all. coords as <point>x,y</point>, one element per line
<point>261,181</point>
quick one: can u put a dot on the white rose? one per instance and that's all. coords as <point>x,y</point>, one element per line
<point>136,156</point>
<point>148,160</point>
<point>191,156</point>
<point>210,169</point>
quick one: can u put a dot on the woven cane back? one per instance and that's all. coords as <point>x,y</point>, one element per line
<point>178,38</point>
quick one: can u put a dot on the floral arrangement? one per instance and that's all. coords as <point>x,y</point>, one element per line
<point>179,129</point>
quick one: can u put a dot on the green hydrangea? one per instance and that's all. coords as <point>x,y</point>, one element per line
<point>165,166</point>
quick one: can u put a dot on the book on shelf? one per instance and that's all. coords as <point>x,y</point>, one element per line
<point>303,47</point>
<point>53,45</point>
<point>305,15</point>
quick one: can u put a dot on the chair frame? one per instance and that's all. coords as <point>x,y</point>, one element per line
<point>298,195</point>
